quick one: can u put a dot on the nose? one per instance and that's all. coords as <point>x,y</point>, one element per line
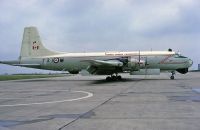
<point>190,62</point>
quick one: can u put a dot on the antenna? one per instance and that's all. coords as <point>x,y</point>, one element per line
<point>170,50</point>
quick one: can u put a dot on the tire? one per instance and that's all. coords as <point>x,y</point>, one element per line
<point>113,78</point>
<point>119,77</point>
<point>108,78</point>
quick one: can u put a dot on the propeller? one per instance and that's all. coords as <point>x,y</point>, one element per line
<point>146,67</point>
<point>139,59</point>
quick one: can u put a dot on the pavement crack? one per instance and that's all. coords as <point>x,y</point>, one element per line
<point>91,110</point>
<point>85,114</point>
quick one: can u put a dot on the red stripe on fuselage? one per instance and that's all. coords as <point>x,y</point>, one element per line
<point>165,59</point>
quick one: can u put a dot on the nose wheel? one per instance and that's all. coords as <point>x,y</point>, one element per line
<point>172,76</point>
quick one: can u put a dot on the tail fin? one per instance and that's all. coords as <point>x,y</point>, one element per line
<point>32,45</point>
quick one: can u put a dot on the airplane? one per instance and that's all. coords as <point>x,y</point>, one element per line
<point>35,55</point>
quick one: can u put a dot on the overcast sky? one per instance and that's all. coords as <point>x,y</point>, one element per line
<point>101,25</point>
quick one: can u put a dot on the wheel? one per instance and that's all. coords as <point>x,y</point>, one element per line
<point>172,77</point>
<point>119,77</point>
<point>108,78</point>
<point>113,78</point>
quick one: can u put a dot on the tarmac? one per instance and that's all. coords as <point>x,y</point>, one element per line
<point>92,103</point>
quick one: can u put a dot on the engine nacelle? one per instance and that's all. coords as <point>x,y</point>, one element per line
<point>135,64</point>
<point>146,72</point>
<point>182,71</point>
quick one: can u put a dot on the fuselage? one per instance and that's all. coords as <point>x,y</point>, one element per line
<point>74,62</point>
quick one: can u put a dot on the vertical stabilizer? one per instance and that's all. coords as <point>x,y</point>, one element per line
<point>32,45</point>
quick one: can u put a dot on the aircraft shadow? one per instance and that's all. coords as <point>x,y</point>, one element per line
<point>100,81</point>
<point>125,80</point>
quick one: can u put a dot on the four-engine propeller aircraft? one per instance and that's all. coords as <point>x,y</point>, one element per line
<point>35,55</point>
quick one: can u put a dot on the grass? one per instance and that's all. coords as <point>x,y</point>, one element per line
<point>195,71</point>
<point>27,76</point>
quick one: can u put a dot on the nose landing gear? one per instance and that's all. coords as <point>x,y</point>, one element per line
<point>172,76</point>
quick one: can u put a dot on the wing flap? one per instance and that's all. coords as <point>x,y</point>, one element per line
<point>28,65</point>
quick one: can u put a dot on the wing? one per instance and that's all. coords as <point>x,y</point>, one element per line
<point>104,67</point>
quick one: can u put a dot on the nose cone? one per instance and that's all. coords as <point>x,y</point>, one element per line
<point>190,62</point>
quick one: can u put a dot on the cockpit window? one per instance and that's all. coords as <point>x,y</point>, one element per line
<point>182,57</point>
<point>179,56</point>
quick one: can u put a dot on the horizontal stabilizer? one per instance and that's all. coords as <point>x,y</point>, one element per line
<point>9,62</point>
<point>27,65</point>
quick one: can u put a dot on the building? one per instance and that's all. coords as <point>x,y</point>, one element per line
<point>198,66</point>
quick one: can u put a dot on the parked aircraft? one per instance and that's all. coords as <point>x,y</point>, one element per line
<point>35,55</point>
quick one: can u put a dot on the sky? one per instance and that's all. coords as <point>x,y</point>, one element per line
<point>101,25</point>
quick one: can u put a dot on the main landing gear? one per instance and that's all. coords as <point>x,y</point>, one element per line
<point>114,78</point>
<point>172,76</point>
